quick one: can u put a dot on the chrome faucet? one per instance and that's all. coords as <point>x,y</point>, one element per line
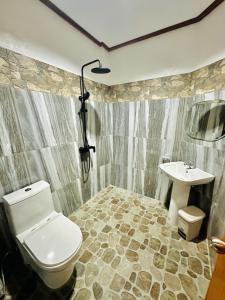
<point>189,165</point>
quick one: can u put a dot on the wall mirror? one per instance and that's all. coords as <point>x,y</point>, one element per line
<point>206,120</point>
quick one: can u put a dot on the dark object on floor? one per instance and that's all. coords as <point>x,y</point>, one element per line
<point>23,283</point>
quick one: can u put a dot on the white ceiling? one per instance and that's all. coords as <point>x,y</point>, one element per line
<point>50,39</point>
<point>118,21</point>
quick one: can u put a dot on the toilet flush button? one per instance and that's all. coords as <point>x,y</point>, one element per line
<point>27,189</point>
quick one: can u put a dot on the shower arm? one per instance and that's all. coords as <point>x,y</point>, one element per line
<point>84,97</point>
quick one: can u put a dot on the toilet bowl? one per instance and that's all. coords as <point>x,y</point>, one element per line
<point>48,241</point>
<point>51,249</point>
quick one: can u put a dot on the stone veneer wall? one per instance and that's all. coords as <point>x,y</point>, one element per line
<point>207,79</point>
<point>138,133</point>
<point>21,71</point>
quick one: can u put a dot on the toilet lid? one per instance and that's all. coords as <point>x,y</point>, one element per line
<point>54,242</point>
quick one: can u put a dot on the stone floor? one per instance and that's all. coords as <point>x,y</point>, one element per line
<point>129,252</point>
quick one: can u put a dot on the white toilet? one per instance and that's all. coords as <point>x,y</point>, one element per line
<point>48,241</point>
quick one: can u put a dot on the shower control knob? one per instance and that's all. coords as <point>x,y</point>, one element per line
<point>92,147</point>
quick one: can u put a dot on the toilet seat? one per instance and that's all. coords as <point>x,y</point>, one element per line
<point>54,243</point>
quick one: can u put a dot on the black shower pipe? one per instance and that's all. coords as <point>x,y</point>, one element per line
<point>84,96</point>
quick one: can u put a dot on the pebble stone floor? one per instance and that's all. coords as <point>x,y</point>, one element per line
<point>129,252</point>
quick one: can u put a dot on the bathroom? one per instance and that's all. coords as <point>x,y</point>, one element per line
<point>112,175</point>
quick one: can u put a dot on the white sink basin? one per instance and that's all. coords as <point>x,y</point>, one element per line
<point>177,171</point>
<point>183,178</point>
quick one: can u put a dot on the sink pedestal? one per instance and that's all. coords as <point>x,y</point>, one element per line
<point>183,178</point>
<point>179,199</point>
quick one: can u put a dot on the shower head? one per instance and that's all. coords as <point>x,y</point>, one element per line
<point>100,70</point>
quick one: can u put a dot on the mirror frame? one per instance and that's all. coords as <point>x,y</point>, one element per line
<point>189,109</point>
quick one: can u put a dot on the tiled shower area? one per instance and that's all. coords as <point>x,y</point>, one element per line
<point>129,251</point>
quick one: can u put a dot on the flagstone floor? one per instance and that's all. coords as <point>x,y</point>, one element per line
<point>130,252</point>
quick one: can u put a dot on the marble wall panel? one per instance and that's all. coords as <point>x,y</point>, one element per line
<point>40,139</point>
<point>145,132</point>
<point>10,133</point>
<point>14,172</point>
<point>36,166</point>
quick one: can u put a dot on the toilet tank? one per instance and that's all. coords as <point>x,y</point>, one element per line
<point>28,206</point>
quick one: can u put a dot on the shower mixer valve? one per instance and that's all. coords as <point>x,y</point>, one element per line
<point>85,152</point>
<point>86,149</point>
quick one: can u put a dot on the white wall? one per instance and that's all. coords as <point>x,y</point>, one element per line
<point>30,28</point>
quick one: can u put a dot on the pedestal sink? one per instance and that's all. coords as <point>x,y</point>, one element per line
<point>183,178</point>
